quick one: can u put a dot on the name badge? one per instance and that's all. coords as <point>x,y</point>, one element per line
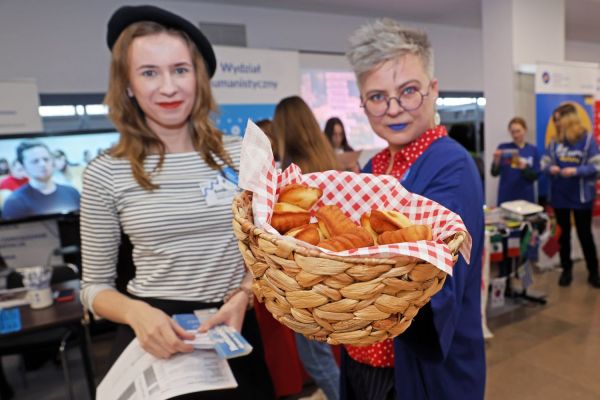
<point>219,191</point>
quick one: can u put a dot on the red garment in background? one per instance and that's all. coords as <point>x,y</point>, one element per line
<point>281,355</point>
<point>11,183</point>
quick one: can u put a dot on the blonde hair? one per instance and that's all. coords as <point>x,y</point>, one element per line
<point>383,40</point>
<point>570,128</point>
<point>300,139</point>
<point>137,140</point>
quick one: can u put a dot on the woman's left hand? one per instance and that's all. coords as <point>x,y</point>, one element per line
<point>567,172</point>
<point>231,313</point>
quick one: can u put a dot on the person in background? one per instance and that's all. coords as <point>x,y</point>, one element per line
<point>301,142</point>
<point>335,132</point>
<point>518,165</point>
<point>572,162</point>
<point>65,173</point>
<point>441,355</point>
<point>4,168</point>
<point>266,125</point>
<point>159,184</point>
<point>16,178</point>
<point>41,195</point>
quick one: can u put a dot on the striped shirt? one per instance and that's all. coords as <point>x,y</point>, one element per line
<point>183,249</point>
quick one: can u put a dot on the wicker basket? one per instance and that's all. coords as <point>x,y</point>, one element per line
<point>341,300</point>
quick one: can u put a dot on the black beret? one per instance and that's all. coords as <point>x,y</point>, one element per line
<point>128,15</point>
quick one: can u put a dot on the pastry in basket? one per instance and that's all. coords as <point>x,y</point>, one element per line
<point>365,222</point>
<point>382,221</point>
<point>345,241</point>
<point>309,233</point>
<point>333,222</point>
<point>287,216</point>
<point>300,195</point>
<point>412,233</point>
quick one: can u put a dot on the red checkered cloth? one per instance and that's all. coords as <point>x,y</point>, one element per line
<point>355,194</point>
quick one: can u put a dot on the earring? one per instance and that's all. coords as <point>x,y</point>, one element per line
<point>437,119</point>
<point>129,92</point>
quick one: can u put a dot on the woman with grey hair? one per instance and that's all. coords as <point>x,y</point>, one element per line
<point>441,355</point>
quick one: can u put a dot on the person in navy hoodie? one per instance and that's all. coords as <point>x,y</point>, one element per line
<point>572,162</point>
<point>518,164</point>
<point>441,355</point>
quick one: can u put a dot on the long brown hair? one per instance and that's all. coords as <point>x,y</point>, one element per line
<point>517,120</point>
<point>300,138</point>
<point>570,128</point>
<point>137,140</point>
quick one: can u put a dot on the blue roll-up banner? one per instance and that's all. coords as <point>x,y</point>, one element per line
<point>556,84</point>
<point>249,83</point>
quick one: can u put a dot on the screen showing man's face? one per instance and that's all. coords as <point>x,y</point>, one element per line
<point>38,163</point>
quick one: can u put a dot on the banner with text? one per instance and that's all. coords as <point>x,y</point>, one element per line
<point>556,84</point>
<point>249,83</point>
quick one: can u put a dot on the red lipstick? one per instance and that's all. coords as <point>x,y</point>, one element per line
<point>170,104</point>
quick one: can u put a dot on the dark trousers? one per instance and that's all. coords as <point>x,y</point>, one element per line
<point>250,371</point>
<point>362,382</point>
<point>583,224</point>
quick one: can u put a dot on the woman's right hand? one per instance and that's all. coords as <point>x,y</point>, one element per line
<point>554,169</point>
<point>158,334</point>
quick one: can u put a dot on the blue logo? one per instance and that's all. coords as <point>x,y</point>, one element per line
<point>545,77</point>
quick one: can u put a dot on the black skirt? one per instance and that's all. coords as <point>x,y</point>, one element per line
<point>250,371</point>
<point>363,382</point>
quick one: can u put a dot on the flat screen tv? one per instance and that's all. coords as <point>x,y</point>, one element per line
<point>41,174</point>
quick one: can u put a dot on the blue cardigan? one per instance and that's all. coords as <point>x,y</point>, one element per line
<point>441,355</point>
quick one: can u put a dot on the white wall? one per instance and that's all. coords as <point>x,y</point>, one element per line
<point>582,51</point>
<point>61,43</point>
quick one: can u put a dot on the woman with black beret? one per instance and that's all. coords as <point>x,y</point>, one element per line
<point>167,184</point>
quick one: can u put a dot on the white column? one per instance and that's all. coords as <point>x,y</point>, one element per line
<point>514,33</point>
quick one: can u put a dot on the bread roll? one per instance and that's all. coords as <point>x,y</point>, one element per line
<point>287,216</point>
<point>389,220</point>
<point>413,233</point>
<point>300,195</point>
<point>308,233</point>
<point>345,241</point>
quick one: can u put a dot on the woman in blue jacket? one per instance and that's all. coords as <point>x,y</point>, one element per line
<point>572,162</point>
<point>441,355</point>
<point>518,164</point>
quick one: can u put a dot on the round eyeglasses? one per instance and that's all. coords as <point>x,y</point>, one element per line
<point>377,104</point>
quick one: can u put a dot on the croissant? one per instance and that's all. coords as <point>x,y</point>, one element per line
<point>300,195</point>
<point>309,233</point>
<point>365,221</point>
<point>287,216</point>
<point>345,241</point>
<point>333,222</point>
<point>382,221</point>
<point>412,233</point>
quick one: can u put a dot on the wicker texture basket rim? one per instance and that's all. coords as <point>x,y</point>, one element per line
<point>357,300</point>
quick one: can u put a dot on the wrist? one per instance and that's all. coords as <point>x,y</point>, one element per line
<point>238,293</point>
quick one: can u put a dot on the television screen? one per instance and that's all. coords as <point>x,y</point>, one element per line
<point>42,175</point>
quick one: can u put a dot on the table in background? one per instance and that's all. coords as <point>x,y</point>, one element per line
<point>68,315</point>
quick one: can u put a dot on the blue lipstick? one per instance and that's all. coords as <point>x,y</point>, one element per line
<point>397,127</point>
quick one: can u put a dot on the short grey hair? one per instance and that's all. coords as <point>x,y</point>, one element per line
<point>383,40</point>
